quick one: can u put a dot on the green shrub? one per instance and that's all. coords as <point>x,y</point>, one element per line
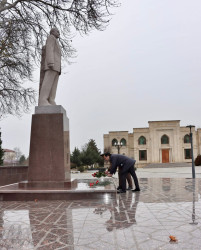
<point>81,169</point>
<point>198,160</point>
<point>72,165</point>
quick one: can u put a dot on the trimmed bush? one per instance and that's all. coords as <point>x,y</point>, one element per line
<point>81,169</point>
<point>198,160</point>
<point>72,165</point>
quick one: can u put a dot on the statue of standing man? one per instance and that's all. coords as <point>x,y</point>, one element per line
<point>50,69</point>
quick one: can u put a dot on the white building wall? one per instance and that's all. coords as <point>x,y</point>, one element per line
<point>118,136</point>
<point>138,132</point>
<point>153,145</point>
<point>130,145</point>
<point>157,130</point>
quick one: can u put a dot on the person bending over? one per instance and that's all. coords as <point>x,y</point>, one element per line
<point>127,166</point>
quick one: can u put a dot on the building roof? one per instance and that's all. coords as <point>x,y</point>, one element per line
<point>165,121</point>
<point>8,150</point>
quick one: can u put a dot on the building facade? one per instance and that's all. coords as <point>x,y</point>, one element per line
<point>161,142</point>
<point>9,157</point>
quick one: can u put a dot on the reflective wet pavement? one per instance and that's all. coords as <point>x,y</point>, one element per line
<point>143,220</point>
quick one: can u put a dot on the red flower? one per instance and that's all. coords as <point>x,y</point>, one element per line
<point>91,184</point>
<point>97,182</point>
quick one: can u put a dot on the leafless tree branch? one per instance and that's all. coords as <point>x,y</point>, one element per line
<point>24,26</point>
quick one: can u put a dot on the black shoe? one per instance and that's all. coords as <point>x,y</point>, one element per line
<point>136,190</point>
<point>120,191</point>
<point>119,188</point>
<point>129,188</point>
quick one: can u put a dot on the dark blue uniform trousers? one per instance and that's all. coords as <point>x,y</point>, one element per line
<point>124,173</point>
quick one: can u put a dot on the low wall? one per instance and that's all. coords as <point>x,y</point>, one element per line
<point>12,174</point>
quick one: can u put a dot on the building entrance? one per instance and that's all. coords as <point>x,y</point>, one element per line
<point>165,156</point>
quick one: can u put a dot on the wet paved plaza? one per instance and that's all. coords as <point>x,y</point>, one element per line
<point>143,220</point>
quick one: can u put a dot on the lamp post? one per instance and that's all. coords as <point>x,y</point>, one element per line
<point>191,138</point>
<point>118,146</point>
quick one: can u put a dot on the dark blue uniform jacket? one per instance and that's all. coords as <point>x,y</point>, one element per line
<point>121,161</point>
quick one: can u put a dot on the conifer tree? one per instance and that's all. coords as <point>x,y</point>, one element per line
<point>1,151</point>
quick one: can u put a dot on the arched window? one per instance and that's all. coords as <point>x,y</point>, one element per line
<point>164,139</point>
<point>114,141</point>
<point>123,142</point>
<point>142,140</point>
<point>187,139</point>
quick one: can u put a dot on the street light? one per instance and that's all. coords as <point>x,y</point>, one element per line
<point>118,146</point>
<point>191,138</point>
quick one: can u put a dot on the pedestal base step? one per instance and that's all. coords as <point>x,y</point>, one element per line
<point>47,185</point>
<point>77,190</point>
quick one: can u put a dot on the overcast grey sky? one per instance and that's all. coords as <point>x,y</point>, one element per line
<point>146,66</point>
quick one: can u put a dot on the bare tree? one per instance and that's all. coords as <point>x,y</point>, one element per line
<point>15,67</point>
<point>18,153</point>
<point>24,25</point>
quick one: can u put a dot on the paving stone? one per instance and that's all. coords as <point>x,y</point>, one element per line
<point>144,220</point>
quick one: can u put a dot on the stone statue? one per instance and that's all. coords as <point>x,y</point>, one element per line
<point>50,69</point>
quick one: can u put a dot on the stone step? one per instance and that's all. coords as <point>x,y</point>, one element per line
<point>168,165</point>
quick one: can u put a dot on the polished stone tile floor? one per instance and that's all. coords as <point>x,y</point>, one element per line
<point>143,220</point>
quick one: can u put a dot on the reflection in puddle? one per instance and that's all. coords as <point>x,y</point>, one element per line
<point>17,230</point>
<point>106,219</point>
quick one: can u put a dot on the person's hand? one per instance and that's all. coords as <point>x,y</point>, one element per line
<point>109,175</point>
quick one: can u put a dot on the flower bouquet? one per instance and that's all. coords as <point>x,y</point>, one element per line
<point>99,174</point>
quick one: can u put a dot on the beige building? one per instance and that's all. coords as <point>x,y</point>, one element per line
<point>9,156</point>
<point>161,142</point>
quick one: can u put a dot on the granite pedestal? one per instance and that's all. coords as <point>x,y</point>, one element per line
<point>49,158</point>
<point>49,175</point>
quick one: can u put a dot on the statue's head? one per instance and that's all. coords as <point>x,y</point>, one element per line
<point>55,32</point>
